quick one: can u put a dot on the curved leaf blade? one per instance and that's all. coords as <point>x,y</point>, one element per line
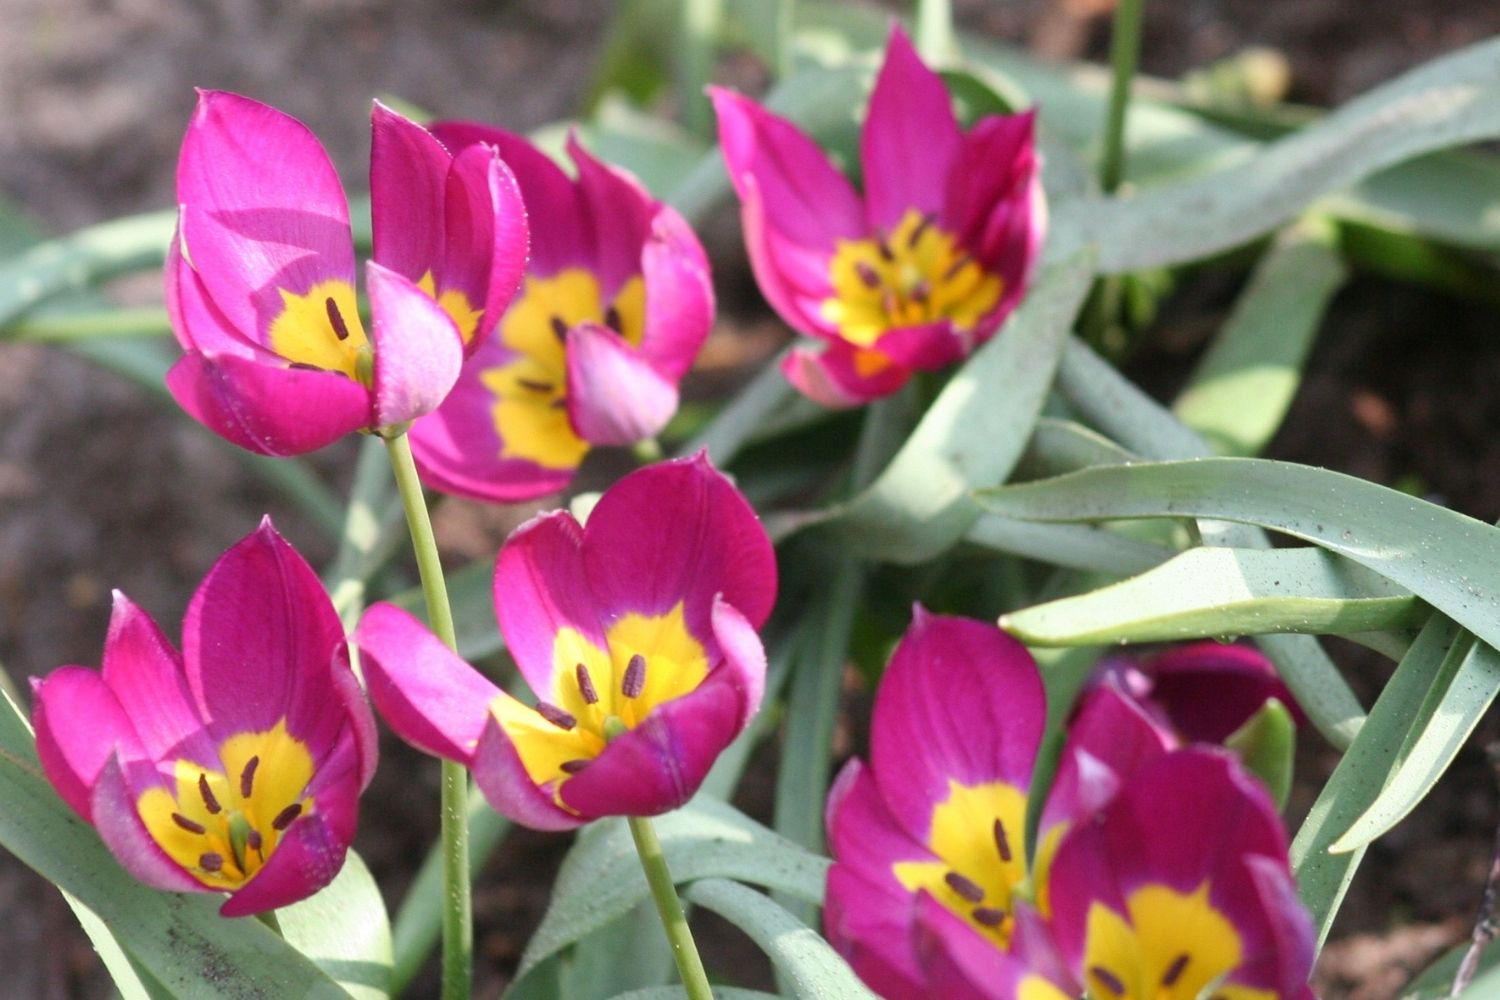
<point>1215,592</point>
<point>1448,559</point>
<point>344,930</point>
<point>812,968</point>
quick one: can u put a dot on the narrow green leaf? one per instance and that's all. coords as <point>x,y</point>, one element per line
<point>1448,559</point>
<point>765,26</point>
<point>1091,548</point>
<point>178,940</point>
<point>1454,705</point>
<point>82,259</point>
<point>1242,388</point>
<point>1222,593</point>
<point>971,435</point>
<point>345,931</point>
<point>1267,745</point>
<point>1322,877</point>
<point>1436,981</point>
<point>601,878</point>
<point>1059,446</point>
<point>1118,407</point>
<point>629,953</point>
<point>133,982</point>
<point>742,419</point>
<point>811,967</point>
<point>1446,102</point>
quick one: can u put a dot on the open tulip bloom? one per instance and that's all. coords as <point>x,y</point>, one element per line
<point>637,635</point>
<point>261,276</point>
<point>930,893</point>
<point>235,766</point>
<point>616,303</point>
<point>914,274</point>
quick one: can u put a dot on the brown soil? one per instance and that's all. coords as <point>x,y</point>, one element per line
<point>102,487</point>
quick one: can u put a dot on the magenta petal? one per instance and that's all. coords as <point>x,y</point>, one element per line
<point>408,194</point>
<point>615,397</point>
<point>1287,959</point>
<point>868,915</point>
<point>909,139</point>
<point>114,815</point>
<point>307,858</point>
<point>564,241</point>
<point>659,765</point>
<point>262,208</point>
<point>540,589</point>
<point>255,624</point>
<point>618,210</point>
<point>418,350</point>
<point>805,197</point>
<point>994,203</point>
<point>679,295</point>
<point>927,348</point>
<point>1210,689</point>
<point>488,236</point>
<point>425,693</point>
<point>829,377</point>
<point>79,726</point>
<point>744,663</point>
<point>458,448</point>
<point>960,701</point>
<point>1110,739</point>
<point>507,787</point>
<point>268,409</point>
<point>148,681</point>
<point>196,321</point>
<point>960,964</point>
<point>679,531</point>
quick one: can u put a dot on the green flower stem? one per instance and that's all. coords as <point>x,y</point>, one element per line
<point>1124,53</point>
<point>669,907</point>
<point>458,912</point>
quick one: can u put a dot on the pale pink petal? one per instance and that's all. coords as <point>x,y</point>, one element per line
<point>418,349</point>
<point>615,396</point>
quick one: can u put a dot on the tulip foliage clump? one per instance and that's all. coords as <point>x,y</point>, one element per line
<point>1019,655</point>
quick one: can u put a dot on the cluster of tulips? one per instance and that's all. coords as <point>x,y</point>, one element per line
<point>519,316</point>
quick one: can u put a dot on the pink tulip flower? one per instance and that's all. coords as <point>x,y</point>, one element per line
<point>235,766</point>
<point>919,269</point>
<point>261,276</point>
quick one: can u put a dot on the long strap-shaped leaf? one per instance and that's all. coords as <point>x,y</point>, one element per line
<point>813,970</point>
<point>1214,592</point>
<point>1117,406</point>
<point>1447,102</point>
<point>1448,559</point>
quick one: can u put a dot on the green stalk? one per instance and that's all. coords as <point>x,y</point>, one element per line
<point>669,908</point>
<point>1124,54</point>
<point>458,915</point>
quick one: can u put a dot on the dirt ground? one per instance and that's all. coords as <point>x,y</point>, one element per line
<point>101,487</point>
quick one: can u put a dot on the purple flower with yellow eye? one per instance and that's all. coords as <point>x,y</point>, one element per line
<point>235,766</point>
<point>616,303</point>
<point>261,276</point>
<point>636,634</point>
<point>920,269</point>
<point>1179,888</point>
<point>941,808</point>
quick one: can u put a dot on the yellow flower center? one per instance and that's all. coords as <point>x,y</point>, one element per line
<point>915,275</point>
<point>223,825</point>
<point>530,410</point>
<point>321,329</point>
<point>649,660</point>
<point>976,833</point>
<point>1170,945</point>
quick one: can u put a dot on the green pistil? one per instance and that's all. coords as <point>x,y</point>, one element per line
<point>614,726</point>
<point>239,829</point>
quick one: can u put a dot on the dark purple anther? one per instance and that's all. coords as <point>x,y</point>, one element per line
<point>867,274</point>
<point>1109,979</point>
<point>188,824</point>
<point>336,319</point>
<point>555,715</point>
<point>211,862</point>
<point>208,795</point>
<point>573,766</point>
<point>586,684</point>
<point>965,887</point>
<point>247,777</point>
<point>634,681</point>
<point>284,818</point>
<point>1002,842</point>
